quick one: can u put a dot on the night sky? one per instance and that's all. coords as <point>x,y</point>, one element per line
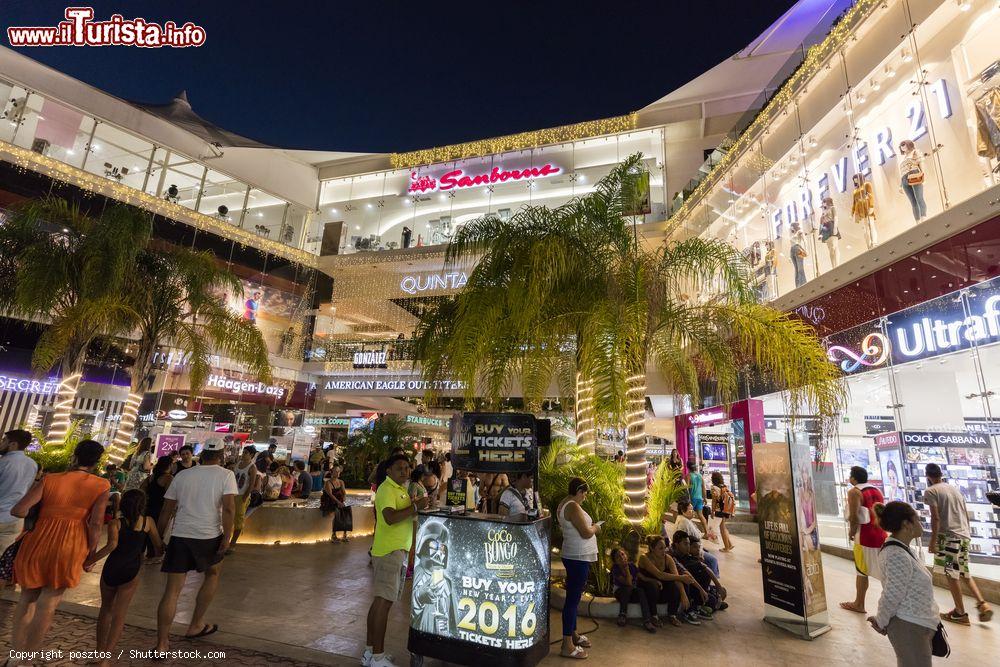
<point>381,75</point>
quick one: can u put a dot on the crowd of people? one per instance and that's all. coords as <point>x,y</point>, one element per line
<point>179,511</point>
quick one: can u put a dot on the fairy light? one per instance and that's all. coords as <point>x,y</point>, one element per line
<point>62,173</point>
<point>126,427</point>
<point>515,142</point>
<point>584,408</point>
<point>813,63</point>
<point>63,407</point>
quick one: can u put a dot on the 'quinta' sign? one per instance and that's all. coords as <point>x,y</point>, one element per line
<point>458,179</point>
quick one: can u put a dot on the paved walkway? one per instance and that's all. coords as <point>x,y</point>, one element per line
<point>307,603</point>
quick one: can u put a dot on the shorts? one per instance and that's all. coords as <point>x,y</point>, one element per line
<point>242,502</point>
<point>697,504</point>
<point>187,553</point>
<point>952,557</point>
<point>390,575</point>
<point>722,515</point>
<point>866,561</point>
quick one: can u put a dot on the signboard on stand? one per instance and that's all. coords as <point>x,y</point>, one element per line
<point>496,442</point>
<point>168,443</point>
<point>791,565</point>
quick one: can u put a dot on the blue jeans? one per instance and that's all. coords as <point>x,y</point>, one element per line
<point>576,579</point>
<point>915,193</point>
<point>712,561</point>
<point>800,266</point>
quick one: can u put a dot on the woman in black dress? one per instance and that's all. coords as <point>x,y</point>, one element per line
<point>156,486</point>
<point>127,536</point>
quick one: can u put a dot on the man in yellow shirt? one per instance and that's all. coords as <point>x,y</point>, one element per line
<point>394,517</point>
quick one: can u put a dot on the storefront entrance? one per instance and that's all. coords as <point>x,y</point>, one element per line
<point>721,439</point>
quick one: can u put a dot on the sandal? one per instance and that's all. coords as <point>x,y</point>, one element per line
<point>656,621</point>
<point>581,641</point>
<point>985,615</point>
<point>674,621</point>
<point>209,629</point>
<point>576,654</point>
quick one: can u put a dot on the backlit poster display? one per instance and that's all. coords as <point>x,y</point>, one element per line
<point>481,583</point>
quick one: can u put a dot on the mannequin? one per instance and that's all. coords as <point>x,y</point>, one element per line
<point>863,209</point>
<point>911,174</point>
<point>407,235</point>
<point>770,268</point>
<point>798,253</point>
<point>829,232</point>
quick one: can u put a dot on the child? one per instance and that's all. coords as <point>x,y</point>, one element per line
<point>630,586</point>
<point>687,550</point>
<point>127,535</point>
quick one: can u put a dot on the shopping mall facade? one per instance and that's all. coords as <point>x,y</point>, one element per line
<point>346,249</point>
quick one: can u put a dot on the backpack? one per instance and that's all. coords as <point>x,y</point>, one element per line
<point>727,501</point>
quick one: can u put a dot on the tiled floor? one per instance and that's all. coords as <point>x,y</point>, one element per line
<point>309,602</point>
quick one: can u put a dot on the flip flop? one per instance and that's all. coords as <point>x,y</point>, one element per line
<point>576,654</point>
<point>849,606</point>
<point>205,631</point>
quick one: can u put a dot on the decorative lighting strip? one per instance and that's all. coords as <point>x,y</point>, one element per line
<point>515,142</point>
<point>126,428</point>
<point>585,419</point>
<point>636,499</point>
<point>62,173</point>
<point>63,407</point>
<point>811,65</point>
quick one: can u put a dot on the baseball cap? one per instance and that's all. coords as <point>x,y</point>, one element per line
<point>214,445</point>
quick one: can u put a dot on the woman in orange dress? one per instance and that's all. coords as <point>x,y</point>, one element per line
<point>52,554</point>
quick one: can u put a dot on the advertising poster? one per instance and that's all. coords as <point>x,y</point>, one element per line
<point>496,442</point>
<point>891,466</point>
<point>791,564</point>
<point>481,583</point>
<point>806,517</point>
<point>780,556</point>
<point>168,443</point>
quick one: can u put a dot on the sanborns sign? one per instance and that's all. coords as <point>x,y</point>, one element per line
<point>241,387</point>
<point>458,179</point>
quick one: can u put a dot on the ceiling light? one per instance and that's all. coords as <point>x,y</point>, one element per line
<point>260,214</point>
<point>964,5</point>
<point>357,226</point>
<point>813,142</point>
<point>876,86</point>
<point>443,197</point>
<point>70,151</point>
<point>333,211</point>
<point>907,56</point>
<point>890,72</point>
<point>368,205</point>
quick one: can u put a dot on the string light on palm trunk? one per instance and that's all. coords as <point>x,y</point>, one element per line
<point>63,407</point>
<point>125,428</point>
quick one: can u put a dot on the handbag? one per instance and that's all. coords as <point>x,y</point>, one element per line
<point>915,177</point>
<point>343,519</point>
<point>7,561</point>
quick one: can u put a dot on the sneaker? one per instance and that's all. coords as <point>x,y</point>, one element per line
<point>621,620</point>
<point>723,606</point>
<point>691,618</point>
<point>367,656</point>
<point>705,613</point>
<point>954,617</point>
<point>384,661</point>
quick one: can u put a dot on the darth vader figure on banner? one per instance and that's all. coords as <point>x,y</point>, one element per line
<point>433,605</point>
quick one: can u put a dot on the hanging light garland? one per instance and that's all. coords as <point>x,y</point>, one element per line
<point>812,64</point>
<point>515,142</point>
<point>61,173</point>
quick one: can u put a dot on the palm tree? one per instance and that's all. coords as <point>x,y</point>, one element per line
<point>574,290</point>
<point>68,269</point>
<point>370,445</point>
<point>177,297</point>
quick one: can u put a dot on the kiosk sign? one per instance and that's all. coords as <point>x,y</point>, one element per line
<point>482,583</point>
<point>496,442</point>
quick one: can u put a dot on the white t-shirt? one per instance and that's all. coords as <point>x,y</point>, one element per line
<point>514,501</point>
<point>198,492</point>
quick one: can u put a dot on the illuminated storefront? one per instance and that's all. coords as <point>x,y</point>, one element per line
<point>823,176</point>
